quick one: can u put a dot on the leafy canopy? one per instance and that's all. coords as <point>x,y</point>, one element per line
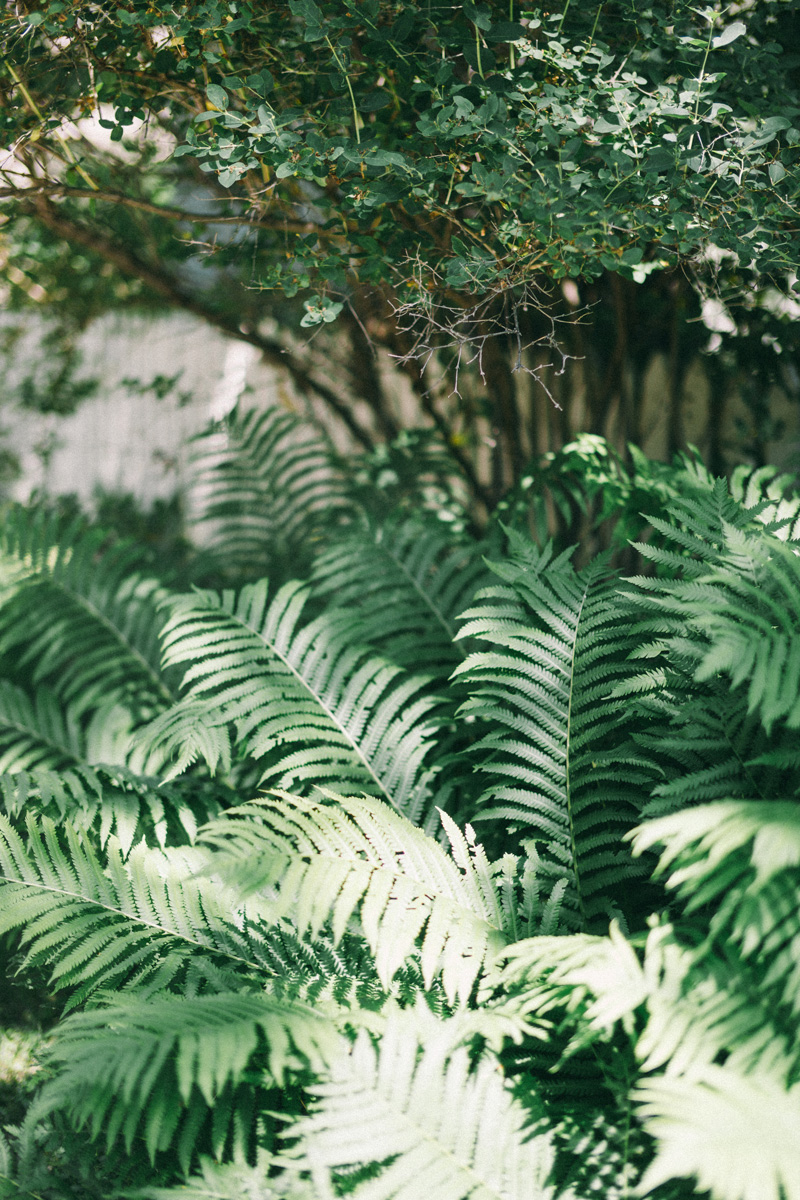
<point>446,148</point>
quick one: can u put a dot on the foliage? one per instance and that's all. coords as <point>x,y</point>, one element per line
<point>461,192</point>
<point>498,123</point>
<point>334,988</point>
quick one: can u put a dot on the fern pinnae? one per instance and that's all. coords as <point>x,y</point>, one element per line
<point>416,1107</point>
<point>265,486</point>
<point>313,707</point>
<point>82,616</point>
<point>116,1064</point>
<point>554,743</point>
<point>405,581</point>
<point>330,858</point>
<point>102,923</point>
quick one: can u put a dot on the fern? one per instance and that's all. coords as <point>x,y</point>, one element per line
<point>337,993</point>
<point>405,583</point>
<point>416,1107</point>
<point>722,616</point>
<point>36,733</point>
<point>236,1180</point>
<point>329,858</point>
<point>555,749</point>
<point>162,1068</point>
<point>111,799</point>
<point>81,618</point>
<point>265,486</point>
<point>104,922</point>
<point>313,708</point>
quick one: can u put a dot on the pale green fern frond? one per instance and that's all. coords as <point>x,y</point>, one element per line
<point>167,1069</point>
<point>733,1135</point>
<point>113,800</point>
<point>265,485</point>
<point>771,497</point>
<point>37,731</point>
<point>438,1126</point>
<point>556,748</point>
<point>405,582</point>
<point>312,707</point>
<point>236,1180</point>
<point>81,617</point>
<point>744,858</point>
<point>101,922</point>
<point>332,858</point>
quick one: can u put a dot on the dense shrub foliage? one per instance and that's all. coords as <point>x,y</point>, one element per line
<point>435,866</point>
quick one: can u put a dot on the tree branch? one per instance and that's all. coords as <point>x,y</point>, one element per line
<point>281,224</point>
<point>126,261</point>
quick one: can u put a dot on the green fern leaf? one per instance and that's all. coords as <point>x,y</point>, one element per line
<point>236,1180</point>
<point>556,750</point>
<point>405,582</point>
<point>156,1069</point>
<point>330,858</point>
<point>314,708</point>
<point>37,732</point>
<point>81,617</point>
<point>101,922</point>
<point>443,1129</point>
<point>735,1135</point>
<point>265,485</point>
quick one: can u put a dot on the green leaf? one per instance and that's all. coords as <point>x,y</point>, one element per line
<point>217,96</point>
<point>729,35</point>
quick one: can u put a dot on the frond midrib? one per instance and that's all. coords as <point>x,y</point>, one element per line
<point>329,713</point>
<point>137,919</point>
<point>568,758</point>
<point>82,601</point>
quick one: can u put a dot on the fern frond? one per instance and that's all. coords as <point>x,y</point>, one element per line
<point>405,583</point>
<point>236,1180</point>
<point>330,858</point>
<point>111,799</point>
<point>745,858</point>
<point>734,1134</point>
<point>311,706</point>
<point>415,1105</point>
<point>770,497</point>
<point>265,485</point>
<point>81,617</point>
<point>101,922</point>
<point>37,732</point>
<point>163,1068</point>
<point>556,750</point>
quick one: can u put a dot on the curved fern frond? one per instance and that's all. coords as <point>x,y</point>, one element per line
<point>734,1135</point>
<point>437,1126</point>
<point>771,497</point>
<point>113,800</point>
<point>81,617</point>
<point>37,732</point>
<point>744,858</point>
<point>102,922</point>
<point>556,752</point>
<point>164,1068</point>
<point>311,706</point>
<point>265,485</point>
<point>405,583</point>
<point>329,859</point>
<point>236,1180</point>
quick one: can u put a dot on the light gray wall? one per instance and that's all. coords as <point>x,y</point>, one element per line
<point>122,439</point>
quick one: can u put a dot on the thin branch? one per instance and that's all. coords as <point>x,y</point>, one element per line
<point>163,285</point>
<point>159,210</point>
